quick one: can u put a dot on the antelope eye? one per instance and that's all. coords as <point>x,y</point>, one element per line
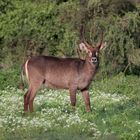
<point>94,59</point>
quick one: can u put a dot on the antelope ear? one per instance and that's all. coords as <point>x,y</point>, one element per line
<point>83,47</point>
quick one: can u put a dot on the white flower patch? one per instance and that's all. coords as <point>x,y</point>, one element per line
<point>49,96</point>
<point>73,119</point>
<point>108,98</point>
<point>138,122</point>
<point>56,115</point>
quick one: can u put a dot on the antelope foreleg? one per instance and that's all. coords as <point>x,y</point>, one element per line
<point>86,98</point>
<point>73,97</point>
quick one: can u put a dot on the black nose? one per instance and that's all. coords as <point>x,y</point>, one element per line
<point>94,59</point>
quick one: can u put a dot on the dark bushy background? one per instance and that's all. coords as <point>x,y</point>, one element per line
<point>52,27</point>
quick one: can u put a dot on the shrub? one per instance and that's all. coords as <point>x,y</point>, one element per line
<point>53,28</point>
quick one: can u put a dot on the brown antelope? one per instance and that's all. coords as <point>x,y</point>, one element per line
<point>63,73</point>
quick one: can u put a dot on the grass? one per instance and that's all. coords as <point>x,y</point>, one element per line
<point>115,113</point>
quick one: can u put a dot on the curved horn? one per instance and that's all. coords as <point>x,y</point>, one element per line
<point>82,32</point>
<point>101,41</point>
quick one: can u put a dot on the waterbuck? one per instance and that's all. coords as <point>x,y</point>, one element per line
<point>63,73</point>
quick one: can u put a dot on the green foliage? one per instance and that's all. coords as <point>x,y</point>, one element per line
<point>122,39</point>
<point>9,78</point>
<point>28,31</point>
<point>53,28</point>
<point>6,6</point>
<point>104,8</point>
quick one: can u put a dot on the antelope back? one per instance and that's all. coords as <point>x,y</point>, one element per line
<point>57,72</point>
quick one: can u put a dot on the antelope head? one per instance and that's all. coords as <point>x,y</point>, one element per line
<point>92,52</point>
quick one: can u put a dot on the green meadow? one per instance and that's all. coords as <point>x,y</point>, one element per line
<point>115,113</point>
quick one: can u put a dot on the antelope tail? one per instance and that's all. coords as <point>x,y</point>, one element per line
<point>26,70</point>
<point>24,73</point>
